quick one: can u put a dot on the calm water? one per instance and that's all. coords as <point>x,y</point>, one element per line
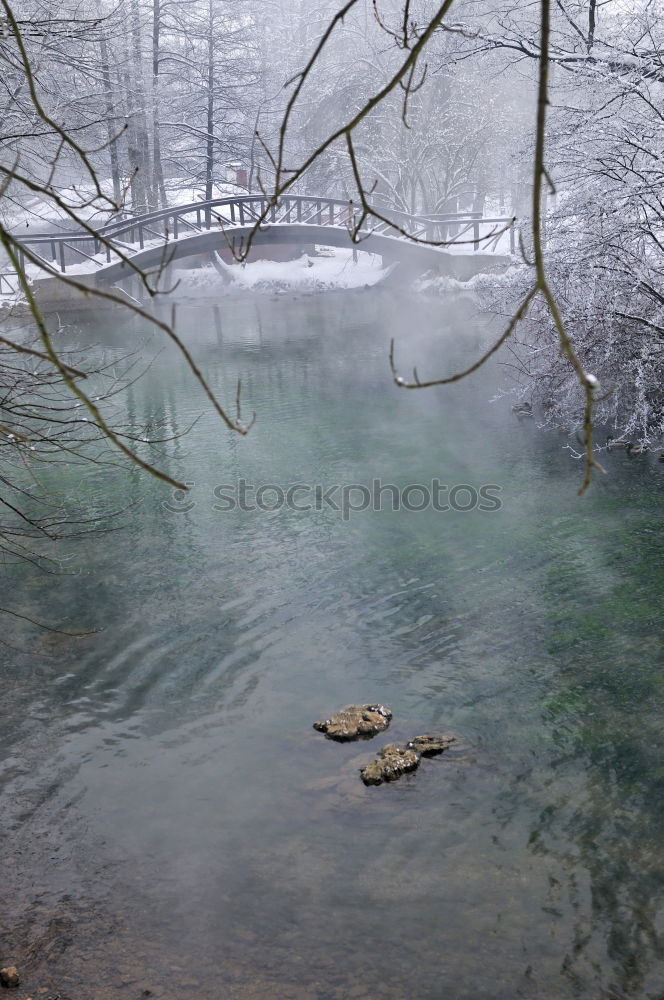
<point>172,822</point>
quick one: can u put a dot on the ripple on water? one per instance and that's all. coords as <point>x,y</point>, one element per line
<point>176,823</point>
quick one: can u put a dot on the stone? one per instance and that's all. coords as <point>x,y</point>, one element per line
<point>392,761</point>
<point>523,410</point>
<point>430,744</point>
<point>9,976</point>
<point>355,722</point>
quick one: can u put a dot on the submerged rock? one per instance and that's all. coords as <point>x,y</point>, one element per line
<point>9,976</point>
<point>430,744</point>
<point>391,763</point>
<point>355,721</point>
<point>523,410</point>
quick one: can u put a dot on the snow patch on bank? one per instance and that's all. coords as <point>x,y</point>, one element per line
<point>442,285</point>
<point>332,269</point>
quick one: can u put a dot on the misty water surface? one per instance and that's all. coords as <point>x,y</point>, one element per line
<point>171,819</point>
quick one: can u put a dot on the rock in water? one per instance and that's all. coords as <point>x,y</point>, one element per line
<point>430,744</point>
<point>355,721</point>
<point>9,976</point>
<point>391,763</point>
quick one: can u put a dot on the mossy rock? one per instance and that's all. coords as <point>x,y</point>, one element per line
<point>355,722</point>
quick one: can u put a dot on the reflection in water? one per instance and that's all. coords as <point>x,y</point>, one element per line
<point>176,823</point>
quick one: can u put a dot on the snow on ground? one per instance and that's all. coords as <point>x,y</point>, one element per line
<point>332,269</point>
<point>329,268</point>
<point>441,285</point>
<point>36,214</point>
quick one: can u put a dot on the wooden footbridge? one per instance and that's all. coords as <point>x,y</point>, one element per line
<point>156,239</point>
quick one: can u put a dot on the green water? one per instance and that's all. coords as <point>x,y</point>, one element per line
<point>172,822</point>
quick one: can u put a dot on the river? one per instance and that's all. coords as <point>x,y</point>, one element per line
<point>171,820</point>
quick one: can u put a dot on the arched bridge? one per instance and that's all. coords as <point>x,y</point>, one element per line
<point>155,239</point>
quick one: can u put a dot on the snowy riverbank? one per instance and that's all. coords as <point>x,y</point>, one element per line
<point>328,270</point>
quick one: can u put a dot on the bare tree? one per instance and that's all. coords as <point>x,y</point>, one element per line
<point>605,221</point>
<point>413,39</point>
<point>54,406</point>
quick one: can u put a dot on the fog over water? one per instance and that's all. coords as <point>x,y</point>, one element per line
<point>272,192</point>
<point>171,820</point>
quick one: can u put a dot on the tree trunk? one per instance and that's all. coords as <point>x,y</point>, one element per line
<point>139,201</point>
<point>144,160</point>
<point>209,155</point>
<point>591,24</point>
<point>158,185</point>
<point>110,120</point>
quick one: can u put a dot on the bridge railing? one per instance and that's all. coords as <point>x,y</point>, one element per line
<point>9,283</point>
<point>126,236</point>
